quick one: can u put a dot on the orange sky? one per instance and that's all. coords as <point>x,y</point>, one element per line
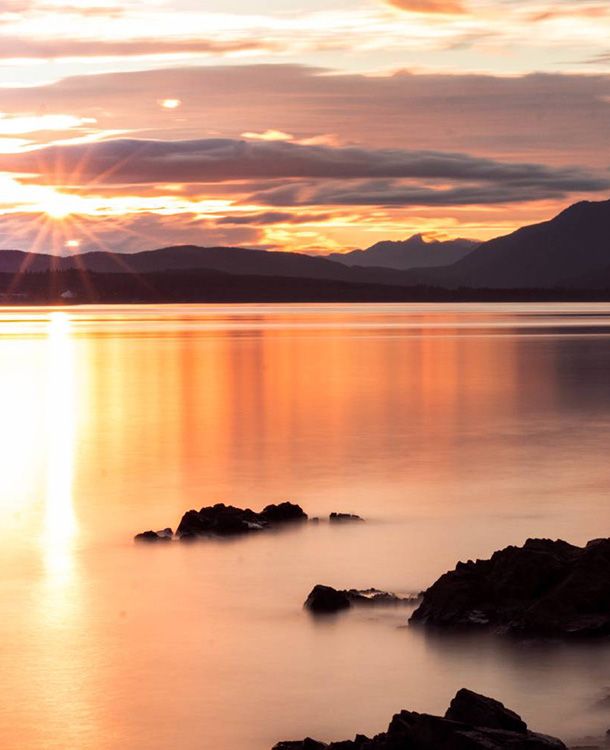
<point>129,125</point>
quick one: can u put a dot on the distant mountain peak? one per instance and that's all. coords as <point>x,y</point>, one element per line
<point>416,251</point>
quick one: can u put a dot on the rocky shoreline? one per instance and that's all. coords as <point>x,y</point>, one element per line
<point>544,588</point>
<point>472,722</point>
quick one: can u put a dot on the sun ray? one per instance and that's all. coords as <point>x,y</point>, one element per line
<point>78,261</point>
<point>29,257</point>
<point>112,254</point>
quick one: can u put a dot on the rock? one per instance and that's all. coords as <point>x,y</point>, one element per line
<point>375,596</point>
<point>155,536</point>
<point>218,520</point>
<point>283,512</point>
<point>306,744</point>
<point>501,729</point>
<point>339,517</point>
<point>471,708</point>
<point>545,588</point>
<point>327,599</point>
<point>227,520</point>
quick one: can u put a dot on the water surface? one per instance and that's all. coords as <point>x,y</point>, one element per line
<point>455,430</point>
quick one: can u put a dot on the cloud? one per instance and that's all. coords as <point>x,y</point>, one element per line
<point>389,194</point>
<point>307,174</point>
<point>137,161</point>
<point>570,10</point>
<point>19,125</point>
<point>429,6</point>
<point>436,142</point>
<point>21,7</point>
<point>547,118</point>
<point>96,37</point>
<point>601,59</point>
<point>19,48</point>
<point>269,218</point>
<point>268,135</point>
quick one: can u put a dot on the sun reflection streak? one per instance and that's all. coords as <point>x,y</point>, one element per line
<point>60,521</point>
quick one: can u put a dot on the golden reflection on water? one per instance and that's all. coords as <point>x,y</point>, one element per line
<point>453,432</point>
<point>66,672</point>
<point>59,518</point>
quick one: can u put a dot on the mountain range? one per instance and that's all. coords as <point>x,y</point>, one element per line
<point>569,252</point>
<point>415,252</point>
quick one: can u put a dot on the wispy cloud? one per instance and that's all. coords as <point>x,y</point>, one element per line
<point>429,6</point>
<point>495,33</point>
<point>19,48</point>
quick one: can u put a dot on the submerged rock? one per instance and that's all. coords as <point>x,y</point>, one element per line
<point>327,599</point>
<point>339,517</point>
<point>545,588</point>
<point>472,722</point>
<point>165,535</point>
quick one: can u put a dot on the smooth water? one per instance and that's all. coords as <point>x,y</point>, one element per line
<point>455,430</point>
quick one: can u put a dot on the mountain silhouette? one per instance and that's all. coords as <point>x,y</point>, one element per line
<point>231,260</point>
<point>415,252</point>
<point>565,251</point>
<point>571,251</point>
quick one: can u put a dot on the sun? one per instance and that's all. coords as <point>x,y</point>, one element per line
<point>57,209</point>
<point>58,205</point>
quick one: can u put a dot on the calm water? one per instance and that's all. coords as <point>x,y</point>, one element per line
<point>454,429</point>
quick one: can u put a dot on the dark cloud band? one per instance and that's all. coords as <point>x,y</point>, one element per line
<point>312,175</point>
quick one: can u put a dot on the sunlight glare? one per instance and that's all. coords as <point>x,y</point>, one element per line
<point>58,206</point>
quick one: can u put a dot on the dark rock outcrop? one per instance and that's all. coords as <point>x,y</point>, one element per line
<point>471,708</point>
<point>496,728</point>
<point>227,520</point>
<point>340,517</point>
<point>325,599</point>
<point>283,512</point>
<point>165,535</point>
<point>306,744</point>
<point>545,588</point>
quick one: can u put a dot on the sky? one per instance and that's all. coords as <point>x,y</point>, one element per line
<point>296,125</point>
